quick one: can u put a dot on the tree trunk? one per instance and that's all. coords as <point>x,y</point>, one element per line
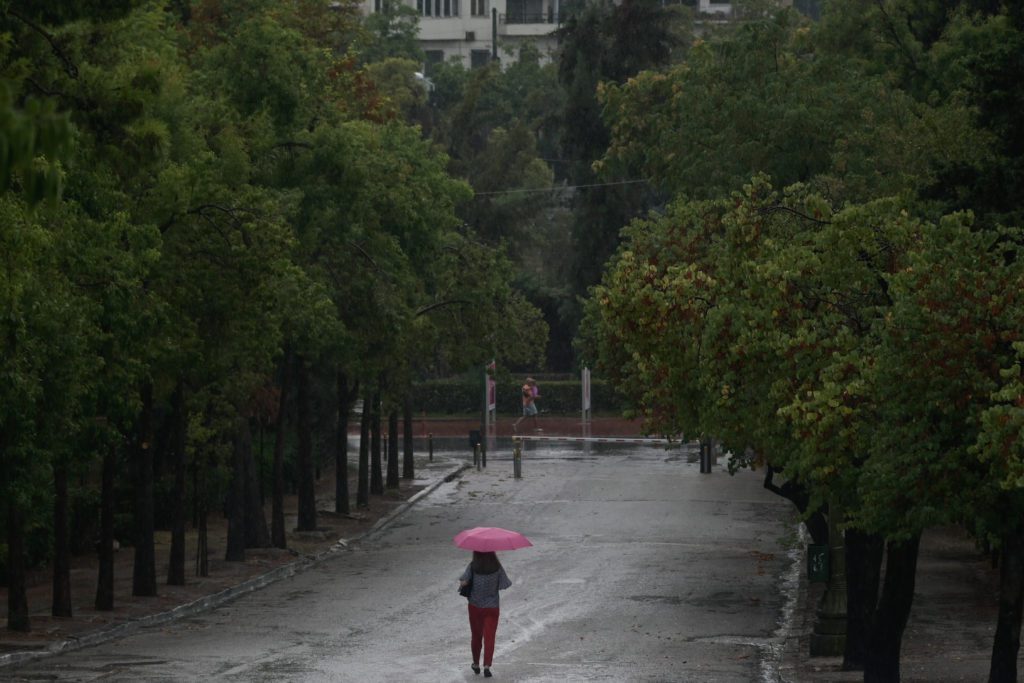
<point>17,598</point>
<point>376,475</point>
<point>408,466</point>
<point>105,579</point>
<point>61,603</point>
<point>202,516</point>
<point>363,486</point>
<point>816,522</point>
<point>392,482</point>
<point>144,569</point>
<point>307,482</point>
<point>176,565</point>
<point>235,551</point>
<point>1006,645</point>
<point>277,531</point>
<point>863,573</point>
<point>203,542</point>
<point>257,535</point>
<point>341,505</point>
<point>882,663</point>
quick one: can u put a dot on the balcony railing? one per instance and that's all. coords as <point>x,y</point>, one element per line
<point>548,17</point>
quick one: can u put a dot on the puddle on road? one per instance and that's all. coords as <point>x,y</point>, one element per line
<point>662,599</point>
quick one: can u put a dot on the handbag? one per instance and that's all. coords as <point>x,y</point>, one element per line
<point>464,591</point>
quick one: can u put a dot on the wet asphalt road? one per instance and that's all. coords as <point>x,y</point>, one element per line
<point>643,570</point>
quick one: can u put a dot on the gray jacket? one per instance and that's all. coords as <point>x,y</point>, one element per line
<point>485,586</point>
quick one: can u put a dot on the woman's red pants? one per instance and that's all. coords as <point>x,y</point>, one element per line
<point>483,623</point>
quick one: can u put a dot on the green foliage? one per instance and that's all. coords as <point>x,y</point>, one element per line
<point>237,184</point>
<point>604,43</point>
<point>785,326</point>
<point>33,139</point>
<point>853,330</point>
<point>393,33</point>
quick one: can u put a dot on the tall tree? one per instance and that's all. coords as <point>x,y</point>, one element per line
<point>277,530</point>
<point>393,469</point>
<point>346,399</point>
<point>304,457</point>
<point>179,434</point>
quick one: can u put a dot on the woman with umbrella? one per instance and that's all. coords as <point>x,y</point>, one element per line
<point>481,581</point>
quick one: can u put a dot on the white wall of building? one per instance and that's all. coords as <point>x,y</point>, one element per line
<point>465,34</point>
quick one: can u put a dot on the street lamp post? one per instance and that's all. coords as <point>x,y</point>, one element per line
<point>829,636</point>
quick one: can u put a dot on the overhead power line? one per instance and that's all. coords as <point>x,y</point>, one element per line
<point>561,187</point>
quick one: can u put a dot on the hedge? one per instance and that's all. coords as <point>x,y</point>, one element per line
<point>460,396</point>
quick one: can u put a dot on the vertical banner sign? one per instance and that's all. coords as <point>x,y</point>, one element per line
<point>585,384</point>
<point>586,390</point>
<point>492,387</point>
<point>490,405</point>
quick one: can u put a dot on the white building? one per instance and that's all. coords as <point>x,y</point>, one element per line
<point>467,29</point>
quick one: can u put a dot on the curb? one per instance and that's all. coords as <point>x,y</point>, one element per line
<point>217,599</point>
<point>781,663</point>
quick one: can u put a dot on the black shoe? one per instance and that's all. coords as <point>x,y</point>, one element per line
<point>475,668</point>
<point>487,673</point>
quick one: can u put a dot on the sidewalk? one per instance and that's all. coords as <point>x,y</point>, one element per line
<point>952,621</point>
<point>226,581</point>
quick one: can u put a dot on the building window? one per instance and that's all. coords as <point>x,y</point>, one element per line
<point>376,6</point>
<point>433,57</point>
<point>438,8</point>
<point>525,12</point>
<point>479,58</point>
<point>478,8</point>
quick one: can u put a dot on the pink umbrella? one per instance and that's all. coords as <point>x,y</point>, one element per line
<point>491,538</point>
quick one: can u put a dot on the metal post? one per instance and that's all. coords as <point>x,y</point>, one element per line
<point>828,638</point>
<point>517,458</point>
<point>494,33</point>
<point>476,456</point>
<point>587,412</point>
<point>705,456</point>
<point>483,452</point>
<point>430,447</point>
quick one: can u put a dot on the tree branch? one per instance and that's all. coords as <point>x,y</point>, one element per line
<point>202,209</point>
<point>69,66</point>
<point>780,207</point>
<point>291,144</point>
<point>440,304</point>
<point>366,256</point>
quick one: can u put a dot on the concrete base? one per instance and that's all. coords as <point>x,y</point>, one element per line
<point>828,644</point>
<point>829,636</point>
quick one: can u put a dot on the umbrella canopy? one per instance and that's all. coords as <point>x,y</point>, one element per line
<point>490,538</point>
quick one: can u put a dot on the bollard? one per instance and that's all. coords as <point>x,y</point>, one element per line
<point>517,459</point>
<point>384,438</point>
<point>476,456</point>
<point>430,447</point>
<point>483,453</point>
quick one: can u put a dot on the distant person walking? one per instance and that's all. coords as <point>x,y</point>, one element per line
<point>486,576</point>
<point>530,393</point>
